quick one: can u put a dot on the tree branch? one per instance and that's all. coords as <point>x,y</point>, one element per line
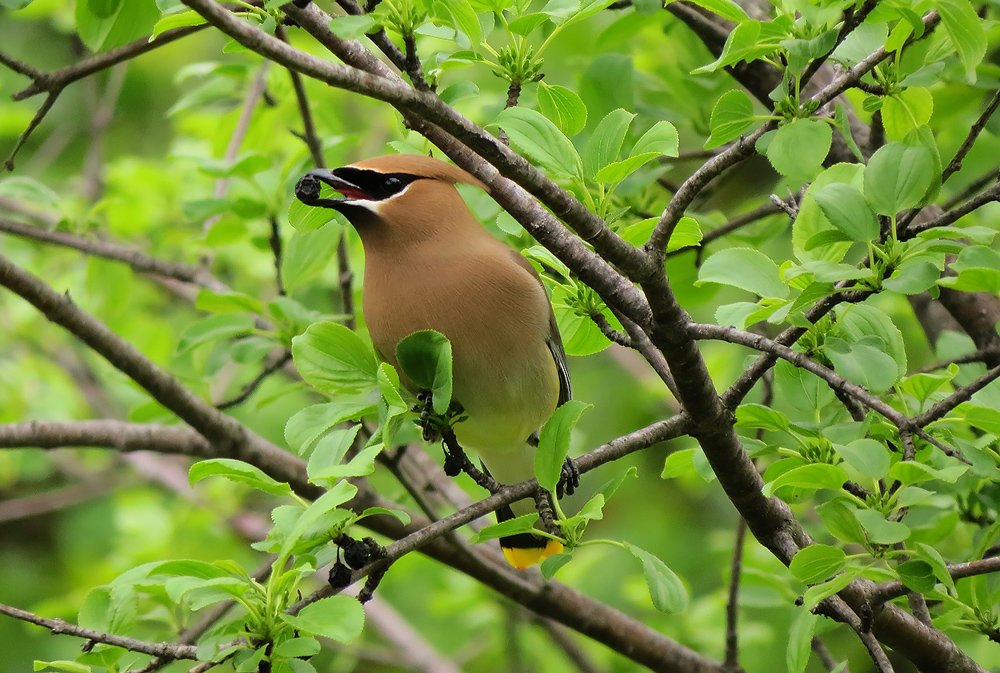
<point>58,626</point>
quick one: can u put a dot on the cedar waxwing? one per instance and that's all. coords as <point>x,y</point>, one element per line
<point>430,265</point>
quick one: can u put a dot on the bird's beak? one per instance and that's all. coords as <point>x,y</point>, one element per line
<point>307,189</point>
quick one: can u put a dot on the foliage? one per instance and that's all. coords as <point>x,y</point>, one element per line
<point>785,210</point>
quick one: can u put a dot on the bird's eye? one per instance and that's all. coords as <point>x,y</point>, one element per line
<point>392,185</point>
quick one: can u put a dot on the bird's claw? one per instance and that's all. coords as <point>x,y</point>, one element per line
<point>569,478</point>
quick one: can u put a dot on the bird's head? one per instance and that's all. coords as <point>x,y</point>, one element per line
<point>409,194</point>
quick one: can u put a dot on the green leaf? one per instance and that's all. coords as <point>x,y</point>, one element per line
<point>906,111</point>
<point>799,148</point>
<point>752,415</point>
<point>800,641</point>
<point>463,19</point>
<point>297,647</point>
<point>606,142</point>
<point>339,618</point>
<point>727,9</point>
<point>425,357</point>
<point>105,24</point>
<point>340,493</point>
<point>868,457</point>
<point>524,25</point>
<point>817,562</point>
<point>745,268</point>
<point>933,557</point>
<point>897,177</point>
<point>840,521</point>
<point>563,106</point>
<point>360,465</point>
<point>966,30</point>
<point>307,253</point>
<point>238,471</point>
<point>843,124</point>
<point>227,302</point>
<point>812,475</point>
<point>541,141</point>
<point>352,27</point>
<point>330,450</point>
<point>678,463</point>
<point>334,359</point>
<point>214,328</point>
<point>181,20</point>
<point>550,566</point>
<point>816,593</point>
<point>731,116</point>
<point>661,140</point>
<point>307,425</point>
<point>912,472</point>
<point>519,524</point>
<point>863,363</point>
<point>665,588</point>
<point>861,321</point>
<point>62,664</point>
<point>917,575</point>
<point>246,165</point>
<point>553,443</point>
<point>307,218</point>
<point>913,276</point>
<point>880,530</point>
<point>847,210</point>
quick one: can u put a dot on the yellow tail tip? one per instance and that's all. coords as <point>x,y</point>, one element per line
<point>523,557</point>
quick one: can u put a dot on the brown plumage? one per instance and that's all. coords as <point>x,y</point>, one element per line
<point>430,265</point>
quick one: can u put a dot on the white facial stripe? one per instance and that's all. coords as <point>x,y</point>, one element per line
<point>376,206</point>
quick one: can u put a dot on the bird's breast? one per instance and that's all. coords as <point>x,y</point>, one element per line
<point>496,316</point>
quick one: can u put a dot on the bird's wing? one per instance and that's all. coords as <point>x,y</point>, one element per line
<point>554,340</point>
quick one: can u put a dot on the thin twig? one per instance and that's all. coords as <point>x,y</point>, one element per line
<point>732,658</point>
<point>249,388</point>
<point>58,626</point>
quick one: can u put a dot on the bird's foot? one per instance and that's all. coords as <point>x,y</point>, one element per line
<point>543,504</point>
<point>569,478</point>
<point>432,424</point>
<point>456,461</point>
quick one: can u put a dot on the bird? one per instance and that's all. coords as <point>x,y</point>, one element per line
<point>430,264</point>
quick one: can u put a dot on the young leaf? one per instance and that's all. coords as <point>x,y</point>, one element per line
<point>334,359</point>
<point>731,116</point>
<point>847,210</point>
<point>563,106</point>
<point>425,357</point>
<point>307,253</point>
<point>606,142</point>
<point>339,618</point>
<point>237,470</point>
<point>553,443</point>
<point>665,588</point>
<point>867,456</point>
<point>541,141</point>
<point>352,27</point>
<point>966,30</point>
<point>307,425</point>
<point>880,530</point>
<point>813,475</point>
<point>214,328</point>
<point>800,641</point>
<point>817,562</point>
<point>799,148</point>
<point>227,302</point>
<point>745,268</point>
<point>897,177</point>
<point>520,524</point>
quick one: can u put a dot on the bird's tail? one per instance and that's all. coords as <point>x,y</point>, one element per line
<point>524,549</point>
